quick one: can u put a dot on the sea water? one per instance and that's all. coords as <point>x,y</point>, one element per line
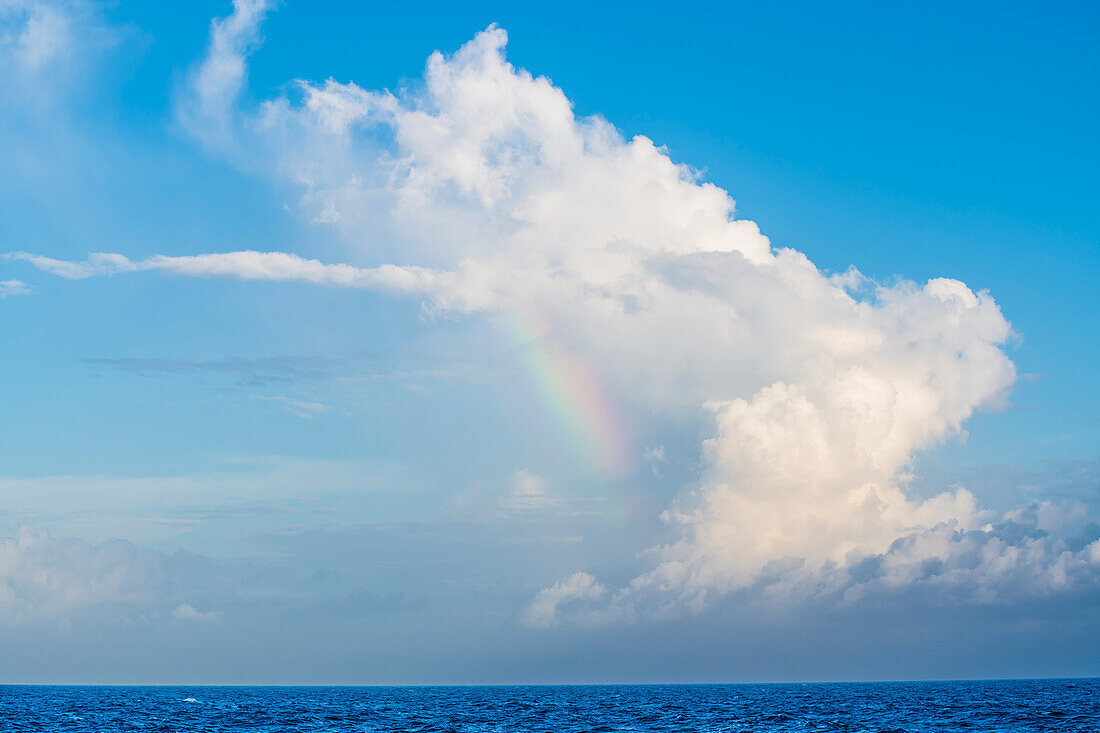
<point>1017,705</point>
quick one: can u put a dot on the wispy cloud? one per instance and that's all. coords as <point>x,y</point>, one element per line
<point>247,265</point>
<point>545,610</point>
<point>13,287</point>
<point>205,104</point>
<point>255,371</point>
<point>45,45</point>
<point>287,369</point>
<point>302,408</point>
<point>46,579</point>
<point>187,612</point>
<point>528,492</point>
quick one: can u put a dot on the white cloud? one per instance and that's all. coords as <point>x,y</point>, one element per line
<point>35,34</point>
<point>818,389</point>
<point>13,287</point>
<point>45,43</point>
<point>206,104</point>
<point>526,491</point>
<point>43,578</point>
<point>545,610</point>
<point>187,612</point>
<point>273,266</point>
<point>654,456</point>
<point>63,580</point>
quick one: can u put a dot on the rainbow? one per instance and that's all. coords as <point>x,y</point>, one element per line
<point>576,396</point>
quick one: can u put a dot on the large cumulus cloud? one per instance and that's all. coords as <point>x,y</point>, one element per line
<point>480,191</point>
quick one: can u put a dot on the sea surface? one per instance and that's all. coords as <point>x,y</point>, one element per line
<point>1018,705</point>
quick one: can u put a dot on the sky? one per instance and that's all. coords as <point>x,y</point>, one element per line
<point>490,343</point>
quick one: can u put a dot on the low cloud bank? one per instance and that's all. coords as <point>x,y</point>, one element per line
<point>44,579</point>
<point>1011,562</point>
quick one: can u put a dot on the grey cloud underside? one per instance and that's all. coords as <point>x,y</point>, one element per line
<point>1015,564</point>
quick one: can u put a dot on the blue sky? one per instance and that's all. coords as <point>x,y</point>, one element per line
<point>403,475</point>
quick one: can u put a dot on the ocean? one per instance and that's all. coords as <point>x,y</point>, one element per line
<point>1011,705</point>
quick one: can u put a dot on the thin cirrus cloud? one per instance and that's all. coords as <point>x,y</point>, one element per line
<point>290,369</point>
<point>818,389</point>
<point>39,35</point>
<point>46,48</point>
<point>187,612</point>
<point>305,409</point>
<point>272,266</point>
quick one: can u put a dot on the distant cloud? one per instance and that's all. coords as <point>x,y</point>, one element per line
<point>526,491</point>
<point>1041,551</point>
<point>545,610</point>
<point>187,612</point>
<point>47,579</point>
<point>1000,564</point>
<point>45,44</point>
<point>13,287</point>
<point>261,370</point>
<point>313,372</point>
<point>655,455</point>
<point>302,408</point>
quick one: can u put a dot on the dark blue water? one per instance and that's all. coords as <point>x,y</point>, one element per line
<point>1023,705</point>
